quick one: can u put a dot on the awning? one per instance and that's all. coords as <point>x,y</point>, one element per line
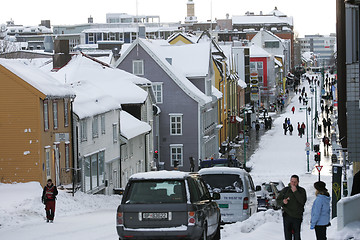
<point>239,119</point>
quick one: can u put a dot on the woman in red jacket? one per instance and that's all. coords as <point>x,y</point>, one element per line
<point>48,198</point>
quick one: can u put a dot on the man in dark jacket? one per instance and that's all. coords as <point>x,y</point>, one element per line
<point>48,198</point>
<point>292,200</point>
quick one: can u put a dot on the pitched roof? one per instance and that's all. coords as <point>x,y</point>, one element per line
<point>160,53</point>
<point>131,127</point>
<point>41,81</point>
<point>99,88</point>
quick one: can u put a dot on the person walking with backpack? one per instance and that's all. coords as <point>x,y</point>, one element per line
<point>292,199</point>
<point>48,198</point>
<point>320,211</point>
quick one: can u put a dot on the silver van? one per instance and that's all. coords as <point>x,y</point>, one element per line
<point>238,199</point>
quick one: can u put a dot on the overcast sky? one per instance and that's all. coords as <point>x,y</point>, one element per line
<point>310,16</point>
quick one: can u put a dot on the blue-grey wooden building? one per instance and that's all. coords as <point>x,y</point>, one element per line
<point>182,79</point>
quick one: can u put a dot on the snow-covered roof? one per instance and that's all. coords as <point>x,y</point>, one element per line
<point>215,92</point>
<point>191,59</point>
<point>157,53</point>
<point>160,175</point>
<point>276,12</point>
<point>130,29</point>
<point>261,20</point>
<point>190,37</point>
<point>43,82</point>
<point>242,83</point>
<point>99,88</point>
<point>131,127</point>
<point>256,51</point>
<point>28,29</point>
<point>222,170</point>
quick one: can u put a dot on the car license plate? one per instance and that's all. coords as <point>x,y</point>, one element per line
<point>223,205</point>
<point>154,216</point>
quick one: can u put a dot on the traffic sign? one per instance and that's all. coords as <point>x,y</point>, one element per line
<point>319,168</point>
<point>334,158</point>
<point>307,144</point>
<point>307,152</point>
<point>307,148</point>
<point>254,89</point>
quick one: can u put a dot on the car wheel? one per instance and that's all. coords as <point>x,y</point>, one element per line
<point>217,234</point>
<point>204,233</point>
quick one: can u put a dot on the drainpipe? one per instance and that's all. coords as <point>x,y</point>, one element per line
<point>74,146</point>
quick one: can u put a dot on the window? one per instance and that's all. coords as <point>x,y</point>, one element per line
<point>47,162</point>
<point>138,67</point>
<point>176,154</point>
<point>91,38</point>
<point>46,115</point>
<point>175,124</point>
<point>67,156</point>
<point>66,113</point>
<point>55,115</point>
<point>94,170</point>
<point>115,136</point>
<point>103,124</point>
<point>83,130</point>
<point>272,44</point>
<point>95,127</point>
<point>158,92</point>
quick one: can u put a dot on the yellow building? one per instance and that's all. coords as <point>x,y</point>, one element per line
<point>35,126</point>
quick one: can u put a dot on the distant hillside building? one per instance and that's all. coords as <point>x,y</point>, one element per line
<point>322,46</point>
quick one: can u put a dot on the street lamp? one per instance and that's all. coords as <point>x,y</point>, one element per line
<point>307,135</point>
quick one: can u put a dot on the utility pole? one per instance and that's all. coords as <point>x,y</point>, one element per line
<point>307,137</point>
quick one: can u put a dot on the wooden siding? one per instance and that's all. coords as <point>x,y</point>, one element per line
<point>19,128</point>
<point>23,138</point>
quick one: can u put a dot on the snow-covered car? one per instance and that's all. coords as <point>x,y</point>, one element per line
<point>279,184</point>
<point>168,205</point>
<point>238,199</point>
<point>271,194</point>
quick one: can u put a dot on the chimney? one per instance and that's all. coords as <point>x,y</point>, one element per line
<point>61,56</point>
<point>45,23</point>
<point>90,19</point>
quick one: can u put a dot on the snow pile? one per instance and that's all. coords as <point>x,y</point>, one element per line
<point>21,203</point>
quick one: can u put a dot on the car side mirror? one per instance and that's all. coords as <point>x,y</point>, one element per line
<point>258,188</point>
<point>215,196</point>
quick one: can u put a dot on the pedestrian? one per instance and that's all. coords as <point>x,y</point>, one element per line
<point>48,198</point>
<point>257,125</point>
<point>291,129</point>
<point>300,99</point>
<point>270,122</point>
<point>329,125</point>
<point>285,127</point>
<point>303,129</point>
<point>320,211</point>
<point>292,200</point>
<point>326,142</point>
<point>356,184</point>
<point>288,121</point>
<point>299,130</point>
<point>293,109</point>
<point>322,109</point>
<point>192,164</point>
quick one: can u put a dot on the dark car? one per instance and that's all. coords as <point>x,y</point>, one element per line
<point>168,205</point>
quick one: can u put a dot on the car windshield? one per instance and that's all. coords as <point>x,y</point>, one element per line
<point>268,188</point>
<point>224,182</point>
<point>156,191</point>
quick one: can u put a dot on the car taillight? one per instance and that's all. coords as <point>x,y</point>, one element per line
<point>246,203</point>
<point>191,218</point>
<point>120,219</point>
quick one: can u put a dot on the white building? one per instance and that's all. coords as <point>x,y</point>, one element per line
<point>322,46</point>
<point>111,143</point>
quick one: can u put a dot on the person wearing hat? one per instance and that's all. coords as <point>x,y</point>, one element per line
<point>48,198</point>
<point>320,211</point>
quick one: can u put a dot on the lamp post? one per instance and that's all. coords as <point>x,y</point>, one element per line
<point>244,139</point>
<point>312,136</point>
<point>307,137</point>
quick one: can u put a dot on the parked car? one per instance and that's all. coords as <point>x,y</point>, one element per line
<point>270,192</point>
<point>262,199</point>
<point>168,205</point>
<point>279,185</point>
<point>238,199</point>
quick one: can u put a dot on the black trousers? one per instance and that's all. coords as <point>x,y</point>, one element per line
<point>320,232</point>
<point>292,226</point>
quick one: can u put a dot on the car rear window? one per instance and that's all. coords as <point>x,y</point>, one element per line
<point>224,182</point>
<point>156,191</point>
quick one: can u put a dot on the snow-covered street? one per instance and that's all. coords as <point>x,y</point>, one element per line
<point>93,216</point>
